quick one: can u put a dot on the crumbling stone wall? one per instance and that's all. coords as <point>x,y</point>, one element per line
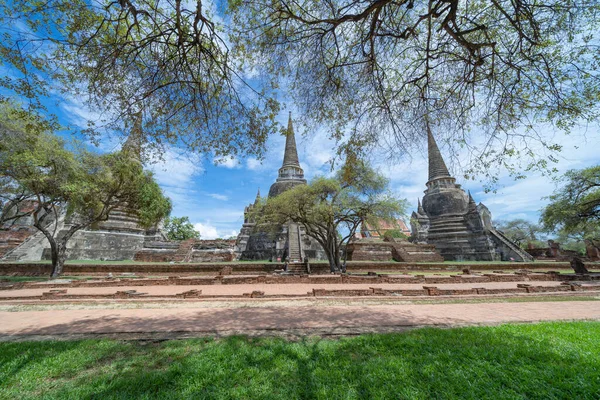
<point>188,251</point>
<point>12,238</point>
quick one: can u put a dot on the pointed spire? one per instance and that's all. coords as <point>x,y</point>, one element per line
<point>291,153</point>
<point>257,199</point>
<point>472,204</point>
<point>134,142</point>
<point>420,209</point>
<point>437,166</point>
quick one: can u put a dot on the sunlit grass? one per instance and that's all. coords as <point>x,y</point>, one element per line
<point>542,361</point>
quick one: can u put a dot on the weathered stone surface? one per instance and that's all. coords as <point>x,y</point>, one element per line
<point>552,252</point>
<point>450,219</point>
<point>391,249</point>
<point>592,251</point>
<point>193,250</point>
<point>118,238</point>
<point>253,243</point>
<point>369,250</point>
<point>12,238</point>
<point>578,266</point>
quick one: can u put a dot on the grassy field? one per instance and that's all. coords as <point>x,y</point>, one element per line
<point>543,361</point>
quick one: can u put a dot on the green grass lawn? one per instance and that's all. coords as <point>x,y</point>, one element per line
<point>543,361</point>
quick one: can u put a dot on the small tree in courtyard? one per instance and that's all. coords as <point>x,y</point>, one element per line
<point>574,209</point>
<point>394,234</point>
<point>331,209</point>
<point>180,228</point>
<point>521,231</point>
<point>37,167</point>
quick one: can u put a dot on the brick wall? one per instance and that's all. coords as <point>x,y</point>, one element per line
<point>267,267</point>
<point>10,239</point>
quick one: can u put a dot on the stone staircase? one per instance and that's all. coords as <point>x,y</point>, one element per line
<point>11,239</point>
<point>184,252</point>
<point>33,247</point>
<point>294,245</point>
<point>454,241</point>
<point>295,264</point>
<point>518,252</point>
<point>296,268</point>
<point>404,251</point>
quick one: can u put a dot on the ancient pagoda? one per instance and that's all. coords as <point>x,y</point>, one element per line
<point>291,173</point>
<point>291,242</point>
<point>120,237</point>
<point>449,218</point>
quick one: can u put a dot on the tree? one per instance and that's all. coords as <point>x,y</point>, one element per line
<point>394,234</point>
<point>520,231</point>
<point>382,72</point>
<point>331,209</point>
<point>168,60</point>
<point>180,228</point>
<point>42,171</point>
<point>574,208</point>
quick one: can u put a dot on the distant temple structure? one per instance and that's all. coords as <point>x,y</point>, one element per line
<point>120,237</point>
<point>378,230</point>
<point>291,242</point>
<point>450,219</point>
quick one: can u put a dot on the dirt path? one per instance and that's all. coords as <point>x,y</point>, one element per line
<point>268,289</point>
<point>348,319</point>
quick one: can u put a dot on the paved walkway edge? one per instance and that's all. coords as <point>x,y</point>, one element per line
<point>291,334</point>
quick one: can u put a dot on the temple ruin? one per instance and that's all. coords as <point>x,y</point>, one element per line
<point>449,218</point>
<point>291,241</point>
<point>120,237</point>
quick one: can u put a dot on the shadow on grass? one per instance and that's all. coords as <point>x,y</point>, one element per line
<point>543,361</point>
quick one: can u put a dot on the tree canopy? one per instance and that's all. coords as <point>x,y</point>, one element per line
<point>331,209</point>
<point>520,231</point>
<point>484,75</point>
<point>574,208</point>
<point>39,170</point>
<point>180,228</point>
<point>168,60</point>
<point>384,71</point>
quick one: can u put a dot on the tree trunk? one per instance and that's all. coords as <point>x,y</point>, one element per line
<point>59,253</point>
<point>332,256</point>
<point>58,261</point>
<point>331,261</point>
<point>56,268</point>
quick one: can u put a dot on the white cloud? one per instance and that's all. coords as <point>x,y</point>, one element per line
<point>316,152</point>
<point>78,113</point>
<point>227,162</point>
<point>209,231</point>
<point>254,165</point>
<point>175,174</point>
<point>232,232</point>
<point>218,196</point>
<point>513,198</point>
<point>176,169</point>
